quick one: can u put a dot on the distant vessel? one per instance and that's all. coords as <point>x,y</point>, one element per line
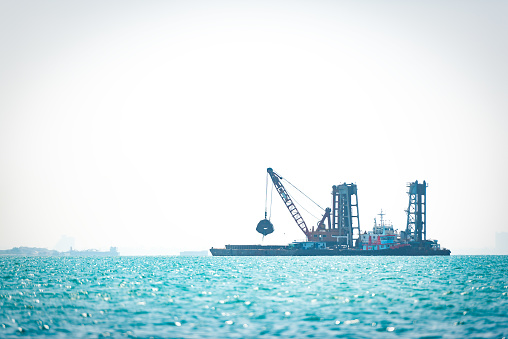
<point>113,252</point>
<point>338,232</point>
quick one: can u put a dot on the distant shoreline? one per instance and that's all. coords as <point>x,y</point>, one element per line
<point>44,252</point>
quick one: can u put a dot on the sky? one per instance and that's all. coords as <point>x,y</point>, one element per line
<point>149,125</point>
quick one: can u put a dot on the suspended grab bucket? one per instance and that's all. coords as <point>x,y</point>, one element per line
<point>264,227</point>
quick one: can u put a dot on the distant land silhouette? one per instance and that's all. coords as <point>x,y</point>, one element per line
<point>44,252</point>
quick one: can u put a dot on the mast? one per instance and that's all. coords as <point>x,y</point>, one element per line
<point>381,218</point>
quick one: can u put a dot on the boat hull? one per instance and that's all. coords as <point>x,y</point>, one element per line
<point>238,250</point>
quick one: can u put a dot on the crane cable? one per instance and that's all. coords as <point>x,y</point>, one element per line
<point>303,194</point>
<point>271,201</point>
<point>271,198</point>
<point>297,203</point>
<point>266,199</point>
<point>266,195</point>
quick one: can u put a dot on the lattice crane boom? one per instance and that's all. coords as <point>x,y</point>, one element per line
<point>289,202</point>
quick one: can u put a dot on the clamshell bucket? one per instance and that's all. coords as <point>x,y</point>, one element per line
<point>265,227</point>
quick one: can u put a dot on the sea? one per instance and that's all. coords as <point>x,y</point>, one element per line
<point>254,297</point>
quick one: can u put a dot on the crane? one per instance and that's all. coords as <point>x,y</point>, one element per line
<point>289,203</point>
<point>338,231</point>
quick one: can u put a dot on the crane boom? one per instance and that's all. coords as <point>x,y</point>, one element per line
<point>289,203</point>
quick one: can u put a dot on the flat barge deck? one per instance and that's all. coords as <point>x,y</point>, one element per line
<point>260,250</point>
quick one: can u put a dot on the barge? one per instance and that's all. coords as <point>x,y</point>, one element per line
<point>294,250</point>
<point>338,232</point>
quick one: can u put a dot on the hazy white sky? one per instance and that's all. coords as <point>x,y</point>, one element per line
<point>149,125</point>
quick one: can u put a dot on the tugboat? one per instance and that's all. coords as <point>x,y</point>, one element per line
<point>382,236</point>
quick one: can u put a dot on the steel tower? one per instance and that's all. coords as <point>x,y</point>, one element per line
<point>416,228</point>
<point>345,215</point>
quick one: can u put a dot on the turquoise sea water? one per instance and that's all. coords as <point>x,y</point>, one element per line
<point>251,297</point>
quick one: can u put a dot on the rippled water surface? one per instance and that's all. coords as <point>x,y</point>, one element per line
<point>250,297</point>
